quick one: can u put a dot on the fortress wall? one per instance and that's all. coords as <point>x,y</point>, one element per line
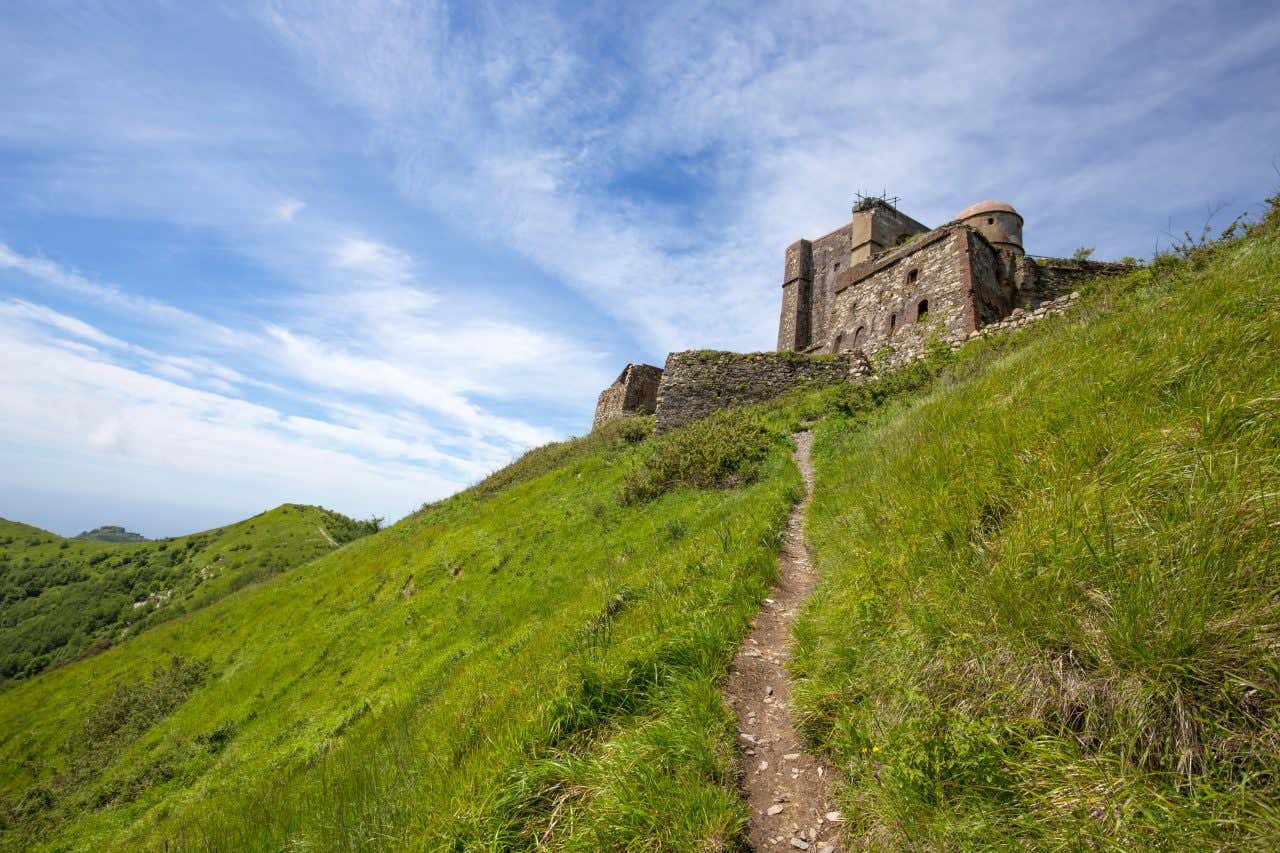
<point>1023,317</point>
<point>634,392</point>
<point>609,404</point>
<point>699,382</point>
<point>1058,276</point>
<point>993,290</point>
<point>863,309</point>
<point>830,256</point>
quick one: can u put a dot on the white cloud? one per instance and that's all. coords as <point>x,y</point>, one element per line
<point>654,165</point>
<point>65,404</point>
<point>522,125</point>
<point>395,391</point>
<point>287,210</point>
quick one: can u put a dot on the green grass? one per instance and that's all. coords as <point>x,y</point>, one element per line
<point>1047,618</point>
<point>63,598</point>
<point>1048,613</point>
<point>530,662</point>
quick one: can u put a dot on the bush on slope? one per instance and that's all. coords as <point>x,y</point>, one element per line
<point>1048,612</point>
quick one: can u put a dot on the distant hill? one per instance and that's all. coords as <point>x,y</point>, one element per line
<point>62,598</point>
<point>110,533</point>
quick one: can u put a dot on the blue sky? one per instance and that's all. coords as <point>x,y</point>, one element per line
<point>361,253</point>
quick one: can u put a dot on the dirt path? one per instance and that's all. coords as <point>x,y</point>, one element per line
<point>786,787</point>
<point>326,536</point>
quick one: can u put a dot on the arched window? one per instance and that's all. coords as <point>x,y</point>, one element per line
<point>922,311</point>
<point>912,276</point>
<point>893,322</point>
<point>859,336</point>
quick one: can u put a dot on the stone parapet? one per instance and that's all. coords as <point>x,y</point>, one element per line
<point>699,382</point>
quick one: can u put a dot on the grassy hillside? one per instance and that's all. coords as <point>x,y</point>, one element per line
<point>534,658</point>
<point>1047,619</point>
<point>62,598</point>
<point>1049,612</point>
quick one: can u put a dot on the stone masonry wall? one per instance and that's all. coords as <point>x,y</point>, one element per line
<point>634,392</point>
<point>699,382</point>
<point>1058,276</point>
<point>881,308</point>
<point>830,256</point>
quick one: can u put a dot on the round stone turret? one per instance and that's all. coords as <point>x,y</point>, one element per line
<point>997,221</point>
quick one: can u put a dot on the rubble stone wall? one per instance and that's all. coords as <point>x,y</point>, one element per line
<point>699,382</point>
<point>634,392</point>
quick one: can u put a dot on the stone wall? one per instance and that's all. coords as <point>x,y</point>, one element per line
<point>830,256</point>
<point>878,304</point>
<point>1023,317</point>
<point>992,282</point>
<point>634,392</point>
<point>1058,276</point>
<point>699,382</point>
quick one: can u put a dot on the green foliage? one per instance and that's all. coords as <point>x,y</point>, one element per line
<point>1047,615</point>
<point>528,664</point>
<point>721,451</point>
<point>129,710</point>
<point>615,434</point>
<point>1083,253</point>
<point>62,598</point>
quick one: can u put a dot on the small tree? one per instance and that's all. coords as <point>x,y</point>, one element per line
<point>1082,254</point>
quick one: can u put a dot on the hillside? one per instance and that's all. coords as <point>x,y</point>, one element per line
<point>61,598</point>
<point>1048,614</point>
<point>1046,617</point>
<point>110,533</point>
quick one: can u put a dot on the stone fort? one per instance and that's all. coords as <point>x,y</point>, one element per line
<point>878,289</point>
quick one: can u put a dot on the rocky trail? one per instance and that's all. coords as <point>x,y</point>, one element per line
<point>786,787</point>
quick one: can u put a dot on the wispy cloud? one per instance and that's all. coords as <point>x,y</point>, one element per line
<point>770,117</point>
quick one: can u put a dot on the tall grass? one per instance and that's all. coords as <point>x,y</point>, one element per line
<point>1048,613</point>
<point>530,663</point>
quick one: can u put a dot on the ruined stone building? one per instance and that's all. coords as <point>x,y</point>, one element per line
<point>634,392</point>
<point>877,290</point>
<point>883,282</point>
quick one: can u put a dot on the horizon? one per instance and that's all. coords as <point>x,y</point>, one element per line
<point>362,257</point>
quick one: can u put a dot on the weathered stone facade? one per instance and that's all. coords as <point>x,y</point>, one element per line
<point>885,285</point>
<point>813,269</point>
<point>699,382</point>
<point>634,392</point>
<point>881,288</point>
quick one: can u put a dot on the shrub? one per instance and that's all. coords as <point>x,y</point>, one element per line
<point>721,451</point>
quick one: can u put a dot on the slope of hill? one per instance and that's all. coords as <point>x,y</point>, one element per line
<point>110,533</point>
<point>1049,616</point>
<point>533,657</point>
<point>60,598</point>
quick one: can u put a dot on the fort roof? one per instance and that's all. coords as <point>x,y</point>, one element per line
<point>991,205</point>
